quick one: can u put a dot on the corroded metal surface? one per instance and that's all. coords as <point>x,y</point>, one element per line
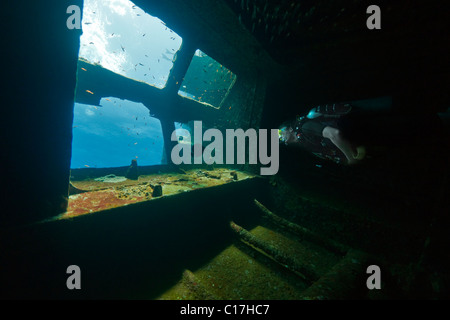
<point>301,269</point>
<point>303,232</point>
<point>343,281</point>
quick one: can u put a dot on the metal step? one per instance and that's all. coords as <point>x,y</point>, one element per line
<point>277,261</point>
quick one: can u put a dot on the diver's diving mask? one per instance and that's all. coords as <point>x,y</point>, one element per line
<point>285,134</point>
<point>282,134</point>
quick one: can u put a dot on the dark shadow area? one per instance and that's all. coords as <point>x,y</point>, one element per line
<point>133,252</point>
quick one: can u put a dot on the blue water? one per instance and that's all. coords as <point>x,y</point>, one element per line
<point>114,134</point>
<point>124,39</point>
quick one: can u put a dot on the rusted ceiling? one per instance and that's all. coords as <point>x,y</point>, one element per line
<point>289,28</point>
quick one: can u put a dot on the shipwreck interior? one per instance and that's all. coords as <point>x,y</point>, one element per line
<point>180,232</point>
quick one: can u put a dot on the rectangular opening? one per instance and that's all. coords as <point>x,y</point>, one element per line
<point>123,38</point>
<point>114,133</point>
<point>207,80</point>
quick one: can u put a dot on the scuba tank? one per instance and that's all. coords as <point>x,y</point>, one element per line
<point>330,110</point>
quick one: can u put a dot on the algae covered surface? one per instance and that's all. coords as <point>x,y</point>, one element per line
<point>245,272</point>
<point>107,192</point>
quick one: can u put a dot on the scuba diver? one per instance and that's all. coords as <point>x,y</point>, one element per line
<point>346,134</point>
<point>319,133</point>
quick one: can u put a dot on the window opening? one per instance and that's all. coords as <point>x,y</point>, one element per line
<point>207,80</point>
<point>183,132</point>
<point>114,133</point>
<point>122,38</point>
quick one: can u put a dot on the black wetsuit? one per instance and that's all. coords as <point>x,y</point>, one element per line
<point>309,133</point>
<point>386,129</point>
